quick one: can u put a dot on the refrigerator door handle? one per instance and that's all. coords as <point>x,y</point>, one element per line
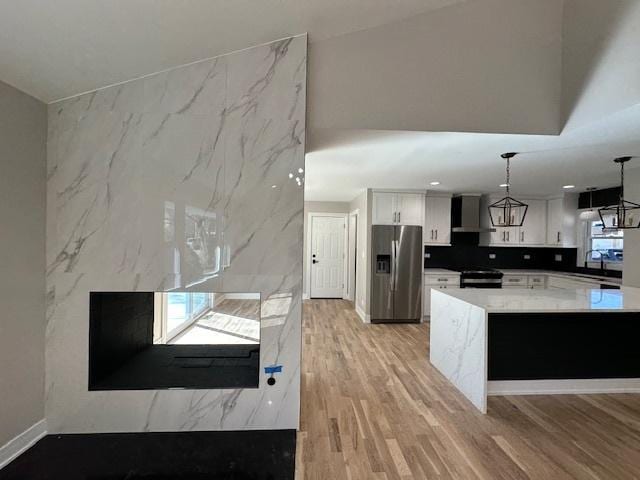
<point>393,265</point>
<point>395,278</point>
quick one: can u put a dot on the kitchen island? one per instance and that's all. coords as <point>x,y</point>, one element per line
<point>524,341</point>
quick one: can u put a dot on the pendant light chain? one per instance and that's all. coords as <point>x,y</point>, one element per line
<point>508,175</point>
<point>507,212</point>
<point>621,181</point>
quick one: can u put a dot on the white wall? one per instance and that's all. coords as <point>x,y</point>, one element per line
<point>601,65</point>
<point>317,207</point>
<point>478,66</point>
<point>363,205</point>
<point>23,130</point>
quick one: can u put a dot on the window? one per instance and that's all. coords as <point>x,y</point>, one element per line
<point>608,243</point>
<point>183,309</point>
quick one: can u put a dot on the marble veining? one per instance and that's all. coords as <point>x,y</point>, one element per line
<point>165,183</point>
<point>458,345</point>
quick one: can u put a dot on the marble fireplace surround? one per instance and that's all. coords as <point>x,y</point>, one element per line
<point>138,175</point>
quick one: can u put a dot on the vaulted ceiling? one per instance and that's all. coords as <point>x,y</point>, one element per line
<point>400,92</point>
<point>559,80</point>
<point>59,48</point>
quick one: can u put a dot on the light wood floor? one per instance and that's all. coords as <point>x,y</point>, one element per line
<point>374,408</point>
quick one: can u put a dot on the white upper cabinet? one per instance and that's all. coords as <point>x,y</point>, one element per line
<point>410,208</point>
<point>437,221</point>
<point>384,208</point>
<point>392,208</point>
<point>561,220</point>
<point>554,221</point>
<point>534,229</point>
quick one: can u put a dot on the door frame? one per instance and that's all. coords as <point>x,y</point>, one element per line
<point>351,268</point>
<point>345,243</point>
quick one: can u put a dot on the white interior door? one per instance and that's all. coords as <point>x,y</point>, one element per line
<point>327,257</point>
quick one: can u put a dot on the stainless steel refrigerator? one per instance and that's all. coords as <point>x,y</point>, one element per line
<point>396,273</point>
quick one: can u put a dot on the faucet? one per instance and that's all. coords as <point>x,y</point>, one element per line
<point>586,262</point>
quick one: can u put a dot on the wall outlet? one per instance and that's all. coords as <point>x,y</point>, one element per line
<point>492,256</point>
<point>427,255</point>
<point>558,257</point>
<point>527,256</point>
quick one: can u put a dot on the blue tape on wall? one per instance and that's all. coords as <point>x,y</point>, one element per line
<point>273,369</point>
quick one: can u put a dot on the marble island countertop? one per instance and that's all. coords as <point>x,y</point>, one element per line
<point>523,271</point>
<point>503,300</point>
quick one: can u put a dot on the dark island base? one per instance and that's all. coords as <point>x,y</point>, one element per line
<point>552,346</point>
<point>245,455</point>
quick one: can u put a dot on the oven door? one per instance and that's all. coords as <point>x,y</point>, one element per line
<point>481,283</point>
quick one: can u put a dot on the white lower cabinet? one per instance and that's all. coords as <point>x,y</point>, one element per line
<point>426,297</point>
<point>515,281</point>
<point>537,281</point>
<point>442,282</point>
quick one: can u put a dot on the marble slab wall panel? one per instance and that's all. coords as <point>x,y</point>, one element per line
<point>136,172</point>
<point>458,345</point>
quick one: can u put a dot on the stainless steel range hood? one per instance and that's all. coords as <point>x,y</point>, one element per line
<point>465,215</point>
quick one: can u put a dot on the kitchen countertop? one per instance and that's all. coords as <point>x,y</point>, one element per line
<point>576,276</point>
<point>505,300</point>
<point>440,271</point>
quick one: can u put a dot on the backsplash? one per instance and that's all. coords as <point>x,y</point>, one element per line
<point>461,255</point>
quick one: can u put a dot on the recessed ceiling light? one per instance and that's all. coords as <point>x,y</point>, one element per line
<point>434,183</point>
<point>274,186</point>
<point>568,186</point>
<point>503,185</point>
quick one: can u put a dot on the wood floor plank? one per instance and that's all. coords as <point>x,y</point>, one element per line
<point>374,408</point>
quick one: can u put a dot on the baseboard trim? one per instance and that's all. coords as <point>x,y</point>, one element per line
<point>563,387</point>
<point>19,444</point>
<point>364,317</point>
<point>305,296</point>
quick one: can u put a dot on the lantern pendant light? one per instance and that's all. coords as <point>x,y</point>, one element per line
<point>508,212</point>
<point>623,215</point>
